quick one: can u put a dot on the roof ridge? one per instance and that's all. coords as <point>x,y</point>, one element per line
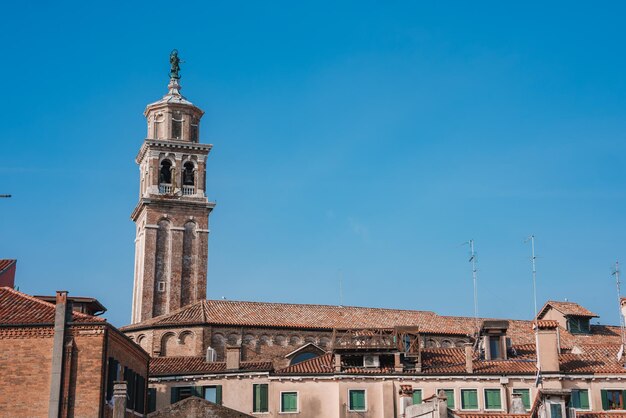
<point>319,305</point>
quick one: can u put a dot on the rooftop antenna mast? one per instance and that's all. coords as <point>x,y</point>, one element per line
<point>475,280</point>
<point>619,302</point>
<point>533,258</point>
<point>340,287</point>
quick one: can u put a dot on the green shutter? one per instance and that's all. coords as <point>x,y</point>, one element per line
<point>197,391</point>
<point>450,396</point>
<point>469,399</point>
<point>174,397</point>
<point>584,399</point>
<point>289,402</point>
<point>218,394</point>
<point>525,396</point>
<point>264,398</point>
<point>357,400</point>
<point>623,399</point>
<point>574,401</point>
<point>605,400</point>
<point>417,396</point>
<point>256,398</point>
<point>492,399</point>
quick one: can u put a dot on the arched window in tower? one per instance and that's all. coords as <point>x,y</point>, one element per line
<point>177,126</point>
<point>165,177</point>
<point>189,174</point>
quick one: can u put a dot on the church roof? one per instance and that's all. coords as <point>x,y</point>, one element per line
<point>17,308</point>
<point>304,316</point>
<point>173,96</point>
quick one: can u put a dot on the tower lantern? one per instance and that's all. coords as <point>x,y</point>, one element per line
<point>172,215</point>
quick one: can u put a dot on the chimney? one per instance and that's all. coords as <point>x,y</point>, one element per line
<point>517,404</point>
<point>233,357</point>
<point>397,362</point>
<point>547,345</point>
<point>337,363</point>
<point>56,374</point>
<point>469,358</point>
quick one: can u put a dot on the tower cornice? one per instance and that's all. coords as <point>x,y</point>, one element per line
<point>193,147</point>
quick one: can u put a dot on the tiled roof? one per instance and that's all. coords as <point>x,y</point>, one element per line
<point>566,308</point>
<point>163,366</point>
<point>491,415</point>
<point>5,264</point>
<point>19,308</point>
<point>451,361</point>
<point>612,414</point>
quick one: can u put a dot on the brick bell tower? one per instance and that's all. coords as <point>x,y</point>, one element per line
<point>172,215</point>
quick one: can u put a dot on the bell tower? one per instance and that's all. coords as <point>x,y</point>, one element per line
<point>172,215</point>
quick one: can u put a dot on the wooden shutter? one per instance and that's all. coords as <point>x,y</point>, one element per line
<point>492,399</point>
<point>174,395</point>
<point>605,400</point>
<point>264,398</point>
<point>469,399</point>
<point>417,396</point>
<point>450,396</point>
<point>584,399</point>
<point>218,394</point>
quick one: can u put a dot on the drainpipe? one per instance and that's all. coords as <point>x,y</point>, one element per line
<point>56,375</point>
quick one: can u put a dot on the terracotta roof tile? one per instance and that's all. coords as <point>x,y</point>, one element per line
<point>163,366</point>
<point>612,414</point>
<point>5,264</point>
<point>19,308</point>
<point>546,324</point>
<point>490,415</point>
<point>566,308</point>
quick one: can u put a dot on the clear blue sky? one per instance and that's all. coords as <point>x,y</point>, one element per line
<point>359,139</point>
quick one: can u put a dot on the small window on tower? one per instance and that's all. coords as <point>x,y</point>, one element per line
<point>194,131</point>
<point>161,286</point>
<point>177,126</point>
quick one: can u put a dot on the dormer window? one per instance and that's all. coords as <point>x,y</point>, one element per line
<point>578,325</point>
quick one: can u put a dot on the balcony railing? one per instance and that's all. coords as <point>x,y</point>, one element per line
<point>188,190</point>
<point>165,188</point>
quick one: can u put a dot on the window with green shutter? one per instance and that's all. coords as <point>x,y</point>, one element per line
<point>579,399</point>
<point>450,397</point>
<point>260,398</point>
<point>525,394</point>
<point>213,394</point>
<point>356,399</point>
<point>417,396</point>
<point>612,399</point>
<point>493,399</point>
<point>183,392</point>
<point>289,402</point>
<point>469,399</point>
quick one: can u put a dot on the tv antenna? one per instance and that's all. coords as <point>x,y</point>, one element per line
<point>533,258</point>
<point>619,302</point>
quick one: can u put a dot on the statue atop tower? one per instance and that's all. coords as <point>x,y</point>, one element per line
<point>172,215</point>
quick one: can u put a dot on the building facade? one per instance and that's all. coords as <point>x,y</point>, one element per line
<point>57,362</point>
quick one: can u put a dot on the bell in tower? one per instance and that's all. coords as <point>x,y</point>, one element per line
<point>172,215</point>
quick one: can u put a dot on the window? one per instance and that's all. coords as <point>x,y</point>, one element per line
<point>579,399</point>
<point>188,174</point>
<point>556,411</point>
<point>213,394</point>
<point>161,286</point>
<point>165,174</point>
<point>417,396</point>
<point>450,397</point>
<point>194,131</point>
<point>494,348</point>
<point>289,402</point>
<point>259,398</point>
<point>577,325</point>
<point>300,357</point>
<point>356,398</point>
<point>184,392</point>
<point>177,127</point>
<point>112,376</point>
<point>151,400</point>
<point>469,399</point>
<point>612,399</point>
<point>525,394</point>
<point>493,399</point>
